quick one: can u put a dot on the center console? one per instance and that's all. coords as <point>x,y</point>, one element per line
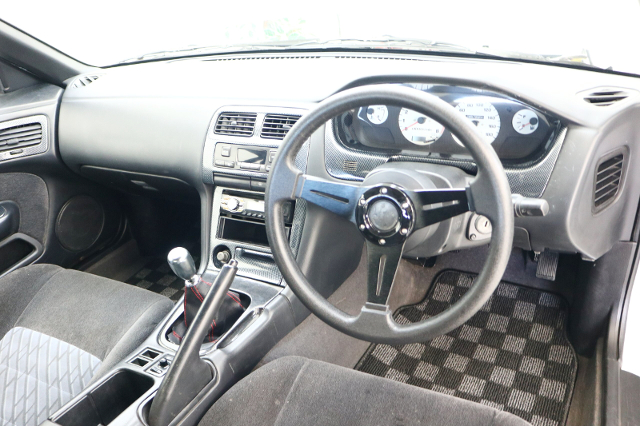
<point>237,157</point>
<point>240,148</point>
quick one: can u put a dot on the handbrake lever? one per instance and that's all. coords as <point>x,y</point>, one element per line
<point>188,373</point>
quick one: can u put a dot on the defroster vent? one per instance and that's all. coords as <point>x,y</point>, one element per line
<point>85,80</point>
<point>276,126</point>
<point>236,124</point>
<point>607,183</point>
<point>20,136</point>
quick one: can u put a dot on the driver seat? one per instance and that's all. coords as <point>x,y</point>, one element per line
<point>299,391</point>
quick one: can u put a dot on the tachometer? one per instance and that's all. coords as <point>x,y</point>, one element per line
<point>418,128</point>
<point>377,114</point>
<point>483,114</point>
<point>525,121</point>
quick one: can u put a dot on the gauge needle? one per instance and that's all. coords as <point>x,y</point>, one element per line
<point>411,125</point>
<point>525,125</point>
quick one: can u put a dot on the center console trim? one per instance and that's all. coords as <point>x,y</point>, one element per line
<point>259,293</point>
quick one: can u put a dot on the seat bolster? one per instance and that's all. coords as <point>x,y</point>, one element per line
<point>294,391</point>
<point>17,290</point>
<point>137,333</point>
<point>90,312</point>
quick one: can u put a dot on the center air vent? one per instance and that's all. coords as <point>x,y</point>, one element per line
<point>85,80</point>
<point>607,182</point>
<point>20,136</point>
<point>276,126</point>
<point>606,97</point>
<point>236,124</point>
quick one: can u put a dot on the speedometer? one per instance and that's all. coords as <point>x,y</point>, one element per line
<point>483,115</point>
<point>418,128</point>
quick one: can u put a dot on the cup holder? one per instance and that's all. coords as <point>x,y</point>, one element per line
<point>106,402</point>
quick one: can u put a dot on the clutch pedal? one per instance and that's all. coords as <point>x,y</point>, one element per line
<point>547,265</point>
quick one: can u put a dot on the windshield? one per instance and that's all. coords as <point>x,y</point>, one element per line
<point>580,32</point>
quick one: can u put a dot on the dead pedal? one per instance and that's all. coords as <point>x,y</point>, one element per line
<point>547,265</point>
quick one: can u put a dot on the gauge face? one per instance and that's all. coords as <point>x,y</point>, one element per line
<point>377,114</point>
<point>418,128</point>
<point>483,115</point>
<point>525,121</point>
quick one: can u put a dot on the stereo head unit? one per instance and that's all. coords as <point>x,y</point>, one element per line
<point>242,205</point>
<point>244,157</point>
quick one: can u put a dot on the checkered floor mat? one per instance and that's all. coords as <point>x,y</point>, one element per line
<point>512,355</point>
<point>156,276</point>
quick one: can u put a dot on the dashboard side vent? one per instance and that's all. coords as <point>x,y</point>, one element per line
<point>606,97</point>
<point>85,80</point>
<point>236,124</point>
<point>20,136</point>
<point>607,181</point>
<point>276,126</point>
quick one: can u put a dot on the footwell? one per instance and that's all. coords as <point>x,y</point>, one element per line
<point>512,355</point>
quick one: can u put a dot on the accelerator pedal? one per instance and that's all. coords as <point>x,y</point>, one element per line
<point>547,265</point>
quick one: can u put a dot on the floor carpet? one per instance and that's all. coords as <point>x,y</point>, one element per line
<point>157,276</point>
<point>512,355</point>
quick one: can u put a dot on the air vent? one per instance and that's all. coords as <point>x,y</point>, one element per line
<point>276,126</point>
<point>606,97</point>
<point>607,182</point>
<point>236,124</point>
<point>85,80</point>
<point>20,136</point>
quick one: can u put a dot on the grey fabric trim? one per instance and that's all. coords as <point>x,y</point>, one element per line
<point>137,332</point>
<point>18,289</point>
<point>291,390</point>
<point>71,319</point>
<point>90,312</point>
<point>38,375</point>
<point>34,203</point>
<point>326,394</point>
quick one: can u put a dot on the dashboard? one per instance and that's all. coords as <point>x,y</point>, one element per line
<point>546,123</point>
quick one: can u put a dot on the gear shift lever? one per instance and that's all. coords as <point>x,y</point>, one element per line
<point>182,263</point>
<point>195,291</point>
<point>189,374</point>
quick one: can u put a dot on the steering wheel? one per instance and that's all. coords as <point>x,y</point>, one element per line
<point>386,214</point>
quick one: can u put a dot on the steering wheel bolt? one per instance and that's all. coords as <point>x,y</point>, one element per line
<point>404,231</point>
<point>362,227</point>
<point>382,241</point>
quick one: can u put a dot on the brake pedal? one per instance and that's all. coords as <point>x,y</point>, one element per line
<point>547,265</point>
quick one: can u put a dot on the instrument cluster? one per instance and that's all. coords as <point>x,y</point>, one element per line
<point>515,130</point>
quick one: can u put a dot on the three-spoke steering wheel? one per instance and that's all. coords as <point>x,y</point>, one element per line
<point>387,214</point>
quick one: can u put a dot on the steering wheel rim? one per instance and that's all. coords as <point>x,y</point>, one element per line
<point>375,322</point>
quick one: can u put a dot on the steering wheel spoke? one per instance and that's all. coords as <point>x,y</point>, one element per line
<point>426,204</point>
<point>382,264</point>
<point>339,198</point>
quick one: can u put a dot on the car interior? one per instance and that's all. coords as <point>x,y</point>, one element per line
<point>324,235</point>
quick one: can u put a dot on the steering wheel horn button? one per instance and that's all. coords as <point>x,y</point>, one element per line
<point>385,215</point>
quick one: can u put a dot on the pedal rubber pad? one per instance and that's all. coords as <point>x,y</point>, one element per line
<point>547,265</point>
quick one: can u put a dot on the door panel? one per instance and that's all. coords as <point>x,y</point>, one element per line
<point>51,215</point>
